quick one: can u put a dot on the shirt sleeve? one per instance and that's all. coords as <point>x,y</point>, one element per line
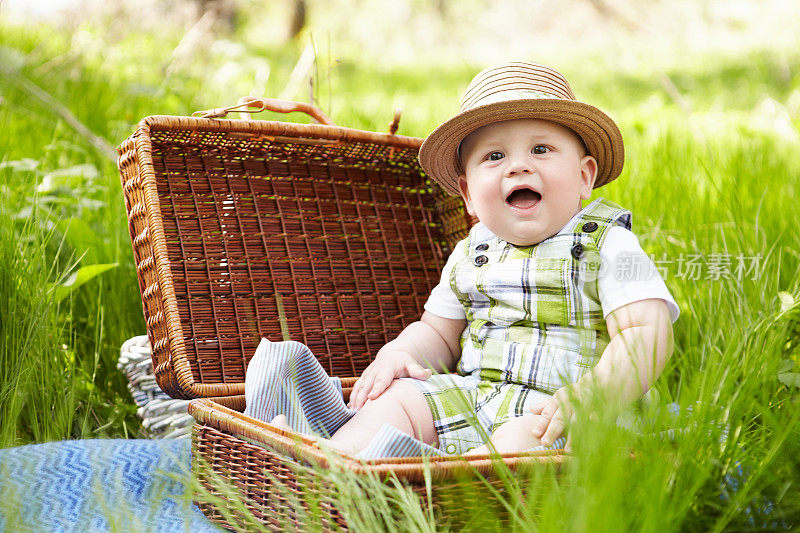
<point>628,275</point>
<point>443,301</point>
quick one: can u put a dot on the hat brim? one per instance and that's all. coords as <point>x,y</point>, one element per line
<point>438,155</point>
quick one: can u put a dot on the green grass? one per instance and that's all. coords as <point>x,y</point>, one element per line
<point>710,186</point>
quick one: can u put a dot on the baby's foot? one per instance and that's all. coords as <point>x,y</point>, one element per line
<point>514,436</point>
<point>480,450</point>
<point>281,422</point>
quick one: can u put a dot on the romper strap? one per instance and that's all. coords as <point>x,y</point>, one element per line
<point>600,216</point>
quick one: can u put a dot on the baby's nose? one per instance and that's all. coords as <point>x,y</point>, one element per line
<point>519,165</point>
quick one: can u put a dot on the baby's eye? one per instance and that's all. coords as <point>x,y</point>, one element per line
<point>540,149</point>
<point>496,156</point>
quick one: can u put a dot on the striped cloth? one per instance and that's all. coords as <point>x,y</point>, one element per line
<point>285,378</point>
<point>99,485</point>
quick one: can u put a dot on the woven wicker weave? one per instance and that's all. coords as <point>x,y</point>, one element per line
<point>330,236</point>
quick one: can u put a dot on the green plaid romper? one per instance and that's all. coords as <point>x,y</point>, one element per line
<point>535,324</point>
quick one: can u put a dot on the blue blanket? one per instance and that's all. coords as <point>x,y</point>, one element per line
<point>99,485</point>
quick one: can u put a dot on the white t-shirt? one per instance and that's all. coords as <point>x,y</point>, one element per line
<point>626,275</point>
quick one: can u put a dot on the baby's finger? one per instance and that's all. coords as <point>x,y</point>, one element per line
<point>358,387</point>
<point>361,397</point>
<point>568,446</point>
<point>554,430</point>
<point>380,384</point>
<point>416,371</point>
<point>353,393</point>
<point>539,427</point>
<point>537,408</point>
<point>549,409</point>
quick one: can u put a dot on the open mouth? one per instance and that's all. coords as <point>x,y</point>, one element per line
<point>523,198</point>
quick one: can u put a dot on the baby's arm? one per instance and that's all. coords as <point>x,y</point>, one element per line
<point>433,341</point>
<point>641,344</point>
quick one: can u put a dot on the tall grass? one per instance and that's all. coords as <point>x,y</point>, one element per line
<point>712,187</point>
<point>34,407</point>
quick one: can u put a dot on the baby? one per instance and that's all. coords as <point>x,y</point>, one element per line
<point>532,312</point>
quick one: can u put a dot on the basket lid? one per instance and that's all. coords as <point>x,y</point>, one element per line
<point>243,229</point>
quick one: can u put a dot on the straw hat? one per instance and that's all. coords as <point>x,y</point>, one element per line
<point>521,90</point>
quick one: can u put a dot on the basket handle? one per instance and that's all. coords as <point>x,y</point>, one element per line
<point>270,104</point>
<point>282,106</point>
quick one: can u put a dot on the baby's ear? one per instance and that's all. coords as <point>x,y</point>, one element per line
<point>464,189</point>
<point>588,175</point>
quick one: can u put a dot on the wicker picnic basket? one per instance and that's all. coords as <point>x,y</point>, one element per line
<point>330,236</point>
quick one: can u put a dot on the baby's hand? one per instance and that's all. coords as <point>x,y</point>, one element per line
<point>392,362</point>
<point>556,412</point>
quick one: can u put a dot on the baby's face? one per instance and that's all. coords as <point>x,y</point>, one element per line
<point>525,178</point>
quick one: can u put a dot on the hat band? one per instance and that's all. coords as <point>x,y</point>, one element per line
<point>513,94</point>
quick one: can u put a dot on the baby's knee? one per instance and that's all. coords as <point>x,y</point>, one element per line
<point>400,392</point>
<point>406,398</point>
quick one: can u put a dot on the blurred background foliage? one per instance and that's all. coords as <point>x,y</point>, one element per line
<point>77,76</point>
<point>706,92</point>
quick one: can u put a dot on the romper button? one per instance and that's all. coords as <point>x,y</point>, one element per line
<point>482,247</point>
<point>481,260</point>
<point>577,251</point>
<point>590,227</point>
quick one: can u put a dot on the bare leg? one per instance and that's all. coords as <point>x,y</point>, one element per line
<point>515,435</point>
<point>402,405</point>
